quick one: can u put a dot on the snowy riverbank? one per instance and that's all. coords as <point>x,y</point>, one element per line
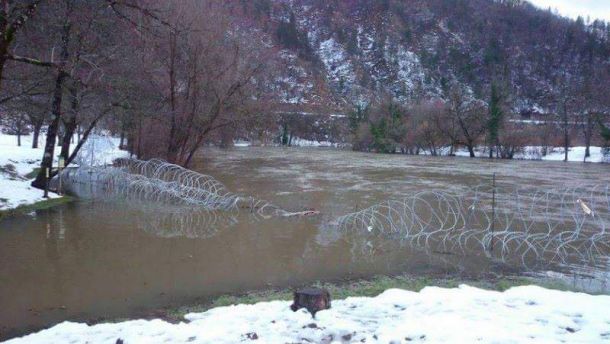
<point>16,162</point>
<point>434,315</point>
<point>575,154</point>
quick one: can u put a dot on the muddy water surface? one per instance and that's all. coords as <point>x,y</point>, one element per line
<point>95,258</point>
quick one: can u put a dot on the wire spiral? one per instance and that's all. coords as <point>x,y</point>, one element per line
<point>554,226</point>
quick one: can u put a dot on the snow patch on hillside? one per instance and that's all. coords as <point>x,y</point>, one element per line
<point>434,315</point>
<point>293,85</point>
<point>407,69</point>
<point>336,62</point>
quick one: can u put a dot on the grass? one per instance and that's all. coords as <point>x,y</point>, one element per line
<point>33,174</point>
<point>28,208</point>
<point>341,290</point>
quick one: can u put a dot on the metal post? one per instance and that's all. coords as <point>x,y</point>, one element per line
<point>493,211</point>
<point>60,166</point>
<point>46,182</point>
<point>59,181</point>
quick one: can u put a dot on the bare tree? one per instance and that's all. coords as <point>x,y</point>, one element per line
<point>208,76</point>
<point>469,115</point>
<point>429,126</point>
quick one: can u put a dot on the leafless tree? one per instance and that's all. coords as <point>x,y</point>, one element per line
<point>469,115</point>
<point>208,75</point>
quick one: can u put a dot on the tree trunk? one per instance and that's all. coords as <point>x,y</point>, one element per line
<point>471,149</point>
<point>566,144</point>
<point>566,134</point>
<point>122,140</point>
<point>3,51</point>
<point>70,127</point>
<point>588,135</point>
<point>36,135</point>
<point>82,141</point>
<point>49,149</point>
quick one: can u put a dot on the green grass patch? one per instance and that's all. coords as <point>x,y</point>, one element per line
<point>364,287</point>
<point>33,174</point>
<point>28,208</point>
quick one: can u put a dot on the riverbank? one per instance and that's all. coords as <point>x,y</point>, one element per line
<point>356,288</point>
<point>575,154</point>
<point>381,310</point>
<point>25,209</point>
<point>18,167</point>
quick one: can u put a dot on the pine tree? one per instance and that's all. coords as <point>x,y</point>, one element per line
<point>495,118</point>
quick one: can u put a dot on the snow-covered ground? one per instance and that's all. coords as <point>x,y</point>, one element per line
<point>296,142</point>
<point>435,315</point>
<point>16,162</point>
<point>575,154</point>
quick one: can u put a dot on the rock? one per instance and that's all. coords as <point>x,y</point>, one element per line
<point>252,335</point>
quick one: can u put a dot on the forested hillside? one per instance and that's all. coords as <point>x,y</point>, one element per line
<point>393,63</point>
<point>413,49</point>
<point>389,76</point>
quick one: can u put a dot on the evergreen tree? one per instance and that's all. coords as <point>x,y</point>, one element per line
<point>495,118</point>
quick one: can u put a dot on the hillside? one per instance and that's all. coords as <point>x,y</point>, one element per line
<point>339,52</point>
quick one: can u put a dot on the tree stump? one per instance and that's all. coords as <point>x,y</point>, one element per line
<point>313,299</point>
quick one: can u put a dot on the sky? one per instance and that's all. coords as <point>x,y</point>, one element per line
<point>596,9</point>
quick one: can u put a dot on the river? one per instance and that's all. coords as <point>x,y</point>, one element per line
<point>95,258</point>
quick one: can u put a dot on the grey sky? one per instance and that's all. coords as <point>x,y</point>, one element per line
<point>596,9</point>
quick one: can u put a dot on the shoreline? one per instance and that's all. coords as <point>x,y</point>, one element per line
<point>339,289</point>
<point>25,209</point>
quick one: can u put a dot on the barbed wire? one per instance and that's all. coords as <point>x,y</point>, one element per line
<point>526,225</point>
<point>551,226</point>
<point>157,181</point>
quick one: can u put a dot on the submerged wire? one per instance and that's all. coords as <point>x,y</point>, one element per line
<point>526,225</point>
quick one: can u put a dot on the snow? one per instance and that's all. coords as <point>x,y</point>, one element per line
<point>575,154</point>
<point>299,142</point>
<point>241,143</point>
<point>434,315</point>
<point>16,162</point>
<point>293,86</point>
<point>15,189</point>
<point>336,61</point>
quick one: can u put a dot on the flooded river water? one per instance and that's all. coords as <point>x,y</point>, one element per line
<point>94,258</point>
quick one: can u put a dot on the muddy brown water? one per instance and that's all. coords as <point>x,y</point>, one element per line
<point>99,259</point>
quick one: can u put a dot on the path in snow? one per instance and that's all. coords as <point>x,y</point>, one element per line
<point>434,315</point>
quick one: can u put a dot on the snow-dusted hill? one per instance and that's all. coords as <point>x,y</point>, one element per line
<point>339,52</point>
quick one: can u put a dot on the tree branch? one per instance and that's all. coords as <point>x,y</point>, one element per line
<point>30,60</point>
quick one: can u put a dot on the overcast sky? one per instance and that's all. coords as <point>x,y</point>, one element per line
<point>596,9</point>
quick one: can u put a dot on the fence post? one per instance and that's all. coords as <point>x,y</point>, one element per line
<point>60,166</point>
<point>46,182</point>
<point>493,211</point>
